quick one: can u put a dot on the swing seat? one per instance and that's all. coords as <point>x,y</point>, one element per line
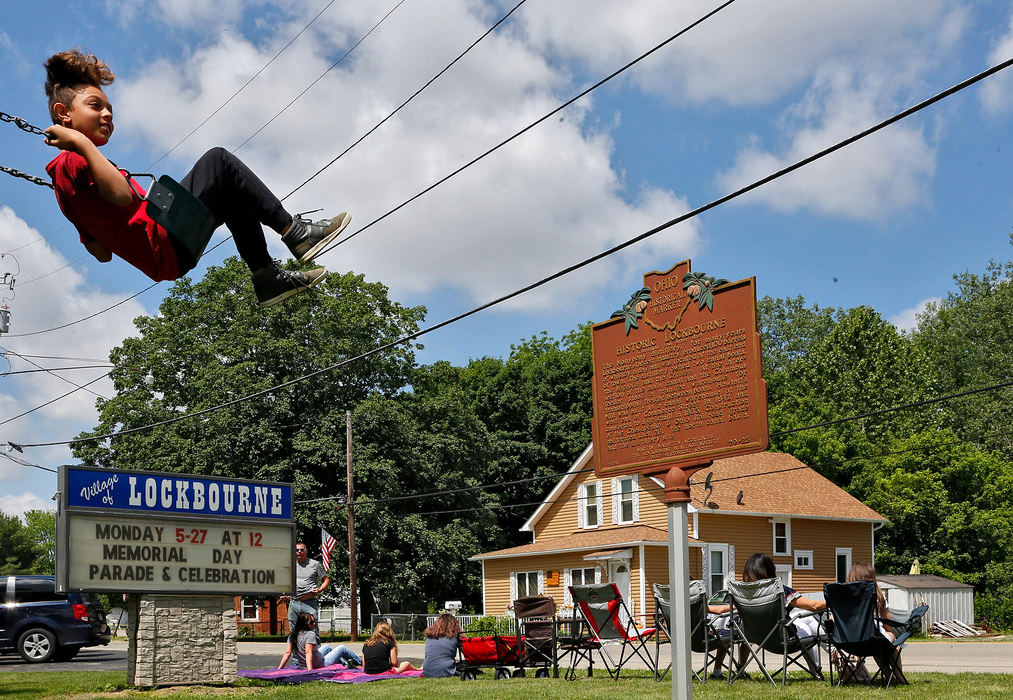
<point>185,217</point>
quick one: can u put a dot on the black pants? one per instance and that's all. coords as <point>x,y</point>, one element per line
<point>236,197</point>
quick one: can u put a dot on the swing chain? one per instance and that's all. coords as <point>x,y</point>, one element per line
<point>31,178</point>
<point>21,124</point>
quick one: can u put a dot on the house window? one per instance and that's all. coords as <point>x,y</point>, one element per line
<point>717,567</point>
<point>803,559</point>
<point>784,573</point>
<point>527,583</point>
<point>249,610</point>
<point>583,577</point>
<point>625,505</point>
<point>589,505</point>
<point>842,555</point>
<point>782,537</point>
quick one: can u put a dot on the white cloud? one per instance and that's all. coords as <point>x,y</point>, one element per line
<point>749,53</point>
<point>60,298</point>
<point>548,199</point>
<point>19,504</point>
<point>907,320</point>
<point>997,92</point>
<point>885,172</point>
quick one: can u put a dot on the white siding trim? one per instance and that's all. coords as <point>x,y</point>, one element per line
<point>485,608</point>
<point>615,501</point>
<point>581,504</point>
<point>705,568</point>
<point>636,498</point>
<point>579,464</point>
<point>643,587</point>
<point>541,582</point>
<point>513,587</point>
<point>731,561</point>
<point>567,582</point>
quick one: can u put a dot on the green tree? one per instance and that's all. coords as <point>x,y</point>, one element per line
<point>40,527</point>
<point>536,405</point>
<point>855,363</point>
<point>967,339</point>
<point>949,504</point>
<point>20,553</point>
<point>210,345</point>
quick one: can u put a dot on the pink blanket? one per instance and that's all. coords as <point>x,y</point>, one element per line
<point>333,674</point>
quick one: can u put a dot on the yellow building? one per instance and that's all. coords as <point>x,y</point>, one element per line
<point>591,529</point>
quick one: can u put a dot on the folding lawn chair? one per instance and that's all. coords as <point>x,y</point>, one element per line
<point>856,636</point>
<point>536,621</point>
<point>760,618</point>
<point>704,637</point>
<point>603,609</point>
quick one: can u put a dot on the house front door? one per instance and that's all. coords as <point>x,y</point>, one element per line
<point>619,574</point>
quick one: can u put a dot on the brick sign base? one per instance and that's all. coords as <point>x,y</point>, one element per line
<point>177,640</point>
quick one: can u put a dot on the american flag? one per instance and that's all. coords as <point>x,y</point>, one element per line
<point>326,547</point>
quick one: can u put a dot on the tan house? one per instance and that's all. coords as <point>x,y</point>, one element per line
<point>591,529</point>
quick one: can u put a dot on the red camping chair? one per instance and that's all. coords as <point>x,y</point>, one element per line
<point>603,609</point>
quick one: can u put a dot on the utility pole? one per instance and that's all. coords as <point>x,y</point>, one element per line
<point>353,595</point>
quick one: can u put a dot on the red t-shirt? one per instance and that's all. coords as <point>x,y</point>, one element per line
<point>126,231</point>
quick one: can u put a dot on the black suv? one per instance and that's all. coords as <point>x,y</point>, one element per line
<point>41,624</point>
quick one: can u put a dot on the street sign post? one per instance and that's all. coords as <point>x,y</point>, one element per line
<point>678,382</point>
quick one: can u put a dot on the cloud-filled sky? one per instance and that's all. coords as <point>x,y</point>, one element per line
<point>885,222</point>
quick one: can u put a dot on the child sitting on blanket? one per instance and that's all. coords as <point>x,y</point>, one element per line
<point>380,652</point>
<point>303,641</point>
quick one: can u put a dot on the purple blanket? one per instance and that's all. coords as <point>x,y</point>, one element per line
<point>334,674</point>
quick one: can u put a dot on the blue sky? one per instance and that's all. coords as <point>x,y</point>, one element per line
<point>885,223</point>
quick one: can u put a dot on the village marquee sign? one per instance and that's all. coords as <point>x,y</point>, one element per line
<point>150,532</point>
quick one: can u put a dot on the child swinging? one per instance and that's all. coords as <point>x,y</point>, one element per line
<point>106,205</point>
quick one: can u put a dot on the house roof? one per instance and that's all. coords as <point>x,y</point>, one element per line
<point>775,483</point>
<point>921,581</point>
<point>587,540</point>
<point>772,483</point>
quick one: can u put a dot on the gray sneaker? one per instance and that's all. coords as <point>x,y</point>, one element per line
<point>274,284</point>
<point>307,238</point>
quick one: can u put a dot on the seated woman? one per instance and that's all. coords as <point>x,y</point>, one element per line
<point>863,571</point>
<point>759,567</point>
<point>308,654</point>
<point>380,652</point>
<point>441,647</point>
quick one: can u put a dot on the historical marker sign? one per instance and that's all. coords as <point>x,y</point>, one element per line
<point>678,380</point>
<point>148,532</point>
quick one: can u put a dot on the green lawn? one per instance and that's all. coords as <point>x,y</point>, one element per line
<point>60,684</point>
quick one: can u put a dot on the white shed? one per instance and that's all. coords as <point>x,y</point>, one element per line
<point>947,600</point>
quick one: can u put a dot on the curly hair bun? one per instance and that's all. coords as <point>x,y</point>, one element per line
<point>70,68</point>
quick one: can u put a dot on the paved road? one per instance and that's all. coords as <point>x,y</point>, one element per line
<point>948,657</point>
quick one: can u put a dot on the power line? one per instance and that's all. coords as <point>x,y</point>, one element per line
<point>447,491</point>
<point>60,357</point>
<point>814,467</point>
<point>62,267</point>
<point>321,77</point>
<point>243,86</point>
<point>427,84</point>
<point>108,308</point>
<point>24,463</point>
<point>86,318</point>
<point>44,369</point>
<point>572,268</point>
<point>56,369</point>
<point>51,401</point>
<point>519,133</point>
<point>914,404</point>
